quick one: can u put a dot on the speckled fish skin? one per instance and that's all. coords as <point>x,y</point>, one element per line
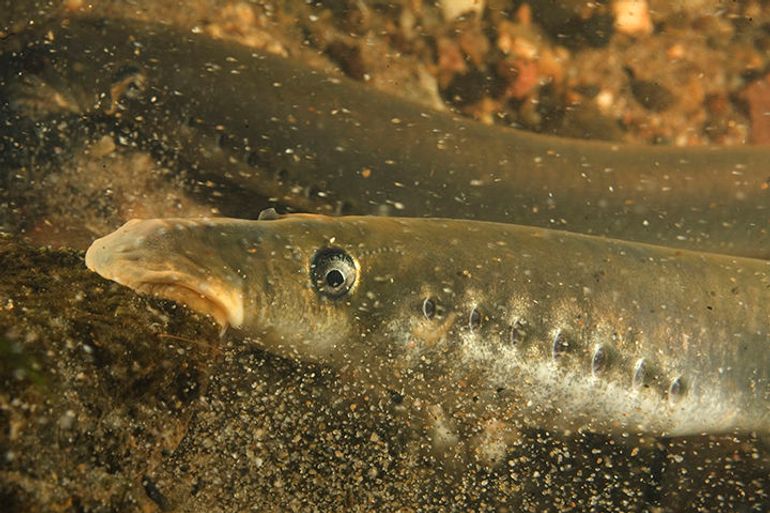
<point>270,126</point>
<point>573,331</point>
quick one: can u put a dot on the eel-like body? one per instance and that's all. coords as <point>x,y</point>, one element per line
<point>323,144</point>
<point>479,323</point>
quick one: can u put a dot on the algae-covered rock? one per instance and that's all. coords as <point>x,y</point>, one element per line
<point>96,386</point>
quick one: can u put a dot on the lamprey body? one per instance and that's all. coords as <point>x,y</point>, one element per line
<point>265,125</point>
<point>479,323</point>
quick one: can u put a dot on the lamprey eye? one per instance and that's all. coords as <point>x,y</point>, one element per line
<point>333,272</point>
<point>128,82</point>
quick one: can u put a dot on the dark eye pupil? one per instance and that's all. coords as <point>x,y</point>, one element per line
<point>335,278</point>
<point>333,272</point>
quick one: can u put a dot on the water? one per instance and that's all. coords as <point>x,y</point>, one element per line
<point>116,402</point>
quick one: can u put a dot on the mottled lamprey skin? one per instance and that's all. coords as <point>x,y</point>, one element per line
<point>494,323</point>
<point>323,144</point>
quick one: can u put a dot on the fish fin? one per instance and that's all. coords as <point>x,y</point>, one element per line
<point>269,214</point>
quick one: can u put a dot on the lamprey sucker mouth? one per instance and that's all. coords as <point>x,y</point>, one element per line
<point>206,287</point>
